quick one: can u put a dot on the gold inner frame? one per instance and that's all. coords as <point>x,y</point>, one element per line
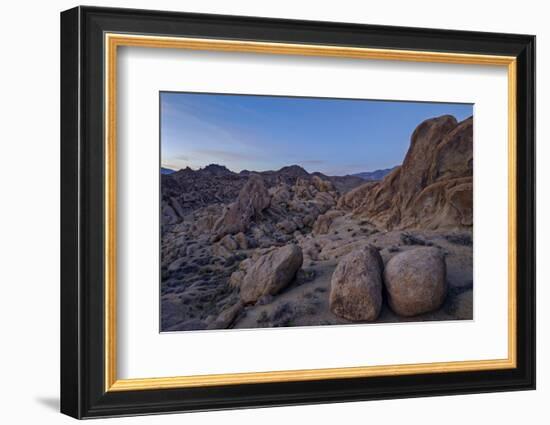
<point>113,41</point>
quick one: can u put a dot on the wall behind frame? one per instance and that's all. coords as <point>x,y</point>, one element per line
<point>29,219</point>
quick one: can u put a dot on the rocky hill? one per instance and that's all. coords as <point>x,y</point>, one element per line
<point>187,190</point>
<point>433,187</point>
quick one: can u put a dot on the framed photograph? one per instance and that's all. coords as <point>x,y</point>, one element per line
<point>261,212</point>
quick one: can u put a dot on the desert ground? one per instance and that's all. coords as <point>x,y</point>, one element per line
<point>292,248</point>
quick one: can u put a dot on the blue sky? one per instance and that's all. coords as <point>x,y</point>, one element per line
<point>333,136</point>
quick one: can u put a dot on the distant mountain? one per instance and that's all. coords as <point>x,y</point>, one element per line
<point>288,175</point>
<point>342,183</point>
<point>166,170</point>
<point>375,175</point>
<point>215,183</point>
<point>216,170</point>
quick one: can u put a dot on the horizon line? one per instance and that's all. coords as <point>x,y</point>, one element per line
<point>175,170</point>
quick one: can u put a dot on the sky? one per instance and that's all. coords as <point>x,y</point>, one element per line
<point>259,133</point>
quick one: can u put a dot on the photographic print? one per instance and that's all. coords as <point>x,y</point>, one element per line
<point>325,187</point>
<point>281,211</point>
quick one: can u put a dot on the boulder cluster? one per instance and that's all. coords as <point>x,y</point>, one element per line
<point>415,283</point>
<point>237,245</point>
<point>222,254</point>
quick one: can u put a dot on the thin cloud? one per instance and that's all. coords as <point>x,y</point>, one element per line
<point>313,162</point>
<point>223,155</point>
<point>182,157</point>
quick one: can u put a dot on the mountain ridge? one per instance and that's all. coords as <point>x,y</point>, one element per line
<point>188,189</point>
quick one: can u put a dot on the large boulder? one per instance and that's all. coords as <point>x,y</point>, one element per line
<point>356,285</point>
<point>252,200</point>
<point>432,189</point>
<point>271,273</point>
<point>416,281</point>
<point>324,201</point>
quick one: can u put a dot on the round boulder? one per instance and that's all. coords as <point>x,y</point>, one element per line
<point>356,285</point>
<point>416,281</point>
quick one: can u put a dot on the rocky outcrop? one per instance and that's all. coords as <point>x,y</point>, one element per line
<point>252,200</point>
<point>356,286</point>
<point>433,187</point>
<point>280,194</point>
<point>416,281</point>
<point>322,185</point>
<point>186,190</point>
<point>271,273</point>
<point>323,222</point>
<point>356,196</point>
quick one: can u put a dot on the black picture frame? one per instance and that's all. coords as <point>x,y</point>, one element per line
<point>83,392</point>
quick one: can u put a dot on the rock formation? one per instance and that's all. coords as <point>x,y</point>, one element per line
<point>416,281</point>
<point>432,189</point>
<point>290,248</point>
<point>271,273</point>
<point>323,222</point>
<point>252,200</point>
<point>356,285</point>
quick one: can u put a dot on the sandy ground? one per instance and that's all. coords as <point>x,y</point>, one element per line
<point>198,293</point>
<point>305,302</point>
